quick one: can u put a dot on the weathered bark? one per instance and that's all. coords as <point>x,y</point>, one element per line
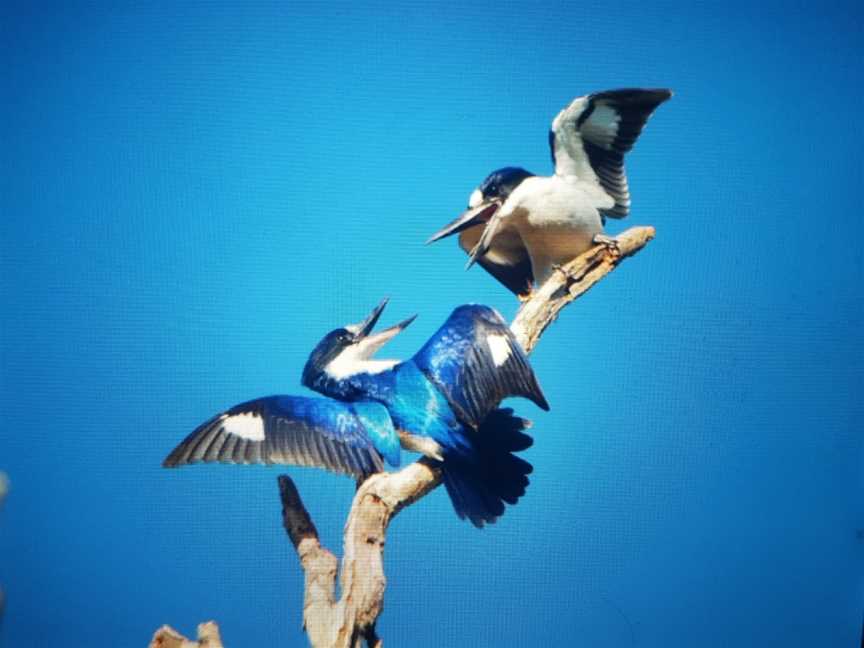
<point>168,637</point>
<point>350,621</point>
<point>572,281</point>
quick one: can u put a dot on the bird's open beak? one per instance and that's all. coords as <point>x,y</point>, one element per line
<point>365,327</point>
<point>469,218</point>
<point>368,344</point>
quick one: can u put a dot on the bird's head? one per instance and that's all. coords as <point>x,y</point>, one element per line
<point>497,186</point>
<point>485,200</point>
<point>349,350</point>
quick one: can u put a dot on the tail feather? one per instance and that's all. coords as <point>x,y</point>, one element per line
<point>479,484</point>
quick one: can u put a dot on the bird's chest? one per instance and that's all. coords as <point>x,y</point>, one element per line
<point>557,245</point>
<point>559,205</point>
<point>559,224</point>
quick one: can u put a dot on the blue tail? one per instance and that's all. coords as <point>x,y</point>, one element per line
<point>480,484</point>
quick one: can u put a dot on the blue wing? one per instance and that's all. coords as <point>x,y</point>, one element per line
<point>475,361</point>
<point>342,437</point>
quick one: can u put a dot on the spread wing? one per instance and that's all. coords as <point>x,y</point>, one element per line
<point>475,361</point>
<point>294,430</point>
<point>590,137</point>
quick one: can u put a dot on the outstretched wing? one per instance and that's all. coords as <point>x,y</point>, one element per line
<point>342,437</point>
<point>475,361</point>
<point>590,137</point>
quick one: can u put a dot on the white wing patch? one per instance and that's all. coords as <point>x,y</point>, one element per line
<point>567,150</point>
<point>247,426</point>
<point>601,127</point>
<point>499,346</point>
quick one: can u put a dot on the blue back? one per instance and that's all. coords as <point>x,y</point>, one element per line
<point>452,383</point>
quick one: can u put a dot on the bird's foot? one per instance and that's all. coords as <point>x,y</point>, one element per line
<point>610,242</point>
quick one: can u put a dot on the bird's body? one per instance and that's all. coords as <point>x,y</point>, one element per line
<point>520,226</point>
<point>413,404</point>
<point>554,218</point>
<point>442,402</point>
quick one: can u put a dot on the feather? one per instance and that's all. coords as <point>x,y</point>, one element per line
<point>475,361</point>
<point>294,430</point>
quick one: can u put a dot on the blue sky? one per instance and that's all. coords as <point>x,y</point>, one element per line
<point>193,194</point>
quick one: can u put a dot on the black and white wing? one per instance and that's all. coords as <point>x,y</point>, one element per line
<point>475,361</point>
<point>590,137</point>
<point>347,438</point>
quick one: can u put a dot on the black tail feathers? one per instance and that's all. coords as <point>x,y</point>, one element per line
<point>479,485</point>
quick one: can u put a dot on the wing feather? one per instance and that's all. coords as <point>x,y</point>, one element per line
<point>475,361</point>
<point>290,430</point>
<point>590,137</point>
<point>226,452</point>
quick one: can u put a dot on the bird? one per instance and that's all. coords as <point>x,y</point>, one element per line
<point>521,227</point>
<point>443,403</point>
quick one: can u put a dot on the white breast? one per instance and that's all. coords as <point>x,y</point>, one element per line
<point>557,201</point>
<point>557,219</point>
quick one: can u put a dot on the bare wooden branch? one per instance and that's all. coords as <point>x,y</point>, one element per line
<point>571,281</point>
<point>320,618</point>
<point>350,621</point>
<point>168,637</point>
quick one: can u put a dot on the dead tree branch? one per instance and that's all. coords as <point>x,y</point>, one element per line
<point>572,281</point>
<point>168,637</point>
<point>350,621</point>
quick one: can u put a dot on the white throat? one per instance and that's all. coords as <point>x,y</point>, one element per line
<point>351,362</point>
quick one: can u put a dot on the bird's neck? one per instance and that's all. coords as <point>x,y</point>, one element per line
<point>358,386</point>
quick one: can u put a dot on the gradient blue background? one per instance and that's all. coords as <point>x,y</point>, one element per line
<point>191,196</point>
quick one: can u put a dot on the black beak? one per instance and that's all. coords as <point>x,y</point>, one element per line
<point>368,343</point>
<point>365,327</point>
<point>397,328</point>
<point>474,216</point>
